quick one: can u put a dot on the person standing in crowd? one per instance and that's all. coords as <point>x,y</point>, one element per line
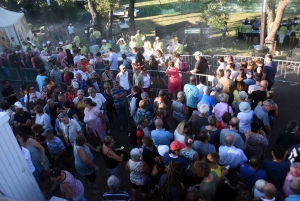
<point>269,70</point>
<point>93,77</point>
<point>294,173</point>
<point>222,107</point>
<point>262,117</point>
<point>98,61</point>
<point>8,93</point>
<point>259,95</point>
<point>228,85</point>
<point>179,108</point>
<point>122,45</point>
<point>138,41</point>
<point>84,162</point>
<point>147,45</point>
<point>202,146</point>
<point>40,78</point>
<point>72,188</point>
<point>110,107</point>
<point>295,189</point>
<point>146,80</point>
<point>113,59</point>
<point>238,142</point>
<point>42,118</point>
<point>56,76</point>
<point>119,94</point>
<point>158,45</point>
<point>200,119</point>
<point>123,78</point>
<point>22,119</point>
<point>113,184</point>
<point>174,80</point>
<point>160,136</point>
<point>200,65</point>
<point>191,94</point>
<point>71,30</point>
<point>282,33</point>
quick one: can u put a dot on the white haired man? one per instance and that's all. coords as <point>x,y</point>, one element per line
<point>261,114</point>
<point>113,184</point>
<point>233,125</point>
<point>200,119</point>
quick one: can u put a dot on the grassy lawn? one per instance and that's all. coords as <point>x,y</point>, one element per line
<point>147,26</point>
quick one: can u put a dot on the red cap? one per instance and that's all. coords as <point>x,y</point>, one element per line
<point>175,145</point>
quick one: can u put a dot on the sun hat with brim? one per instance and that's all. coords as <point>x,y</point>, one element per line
<point>163,149</point>
<point>82,57</point>
<point>47,132</point>
<point>198,53</point>
<point>18,104</point>
<point>176,145</point>
<point>244,107</point>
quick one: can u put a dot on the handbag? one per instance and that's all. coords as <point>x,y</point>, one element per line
<point>156,169</point>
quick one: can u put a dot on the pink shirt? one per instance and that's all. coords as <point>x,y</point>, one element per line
<point>286,186</point>
<point>220,109</point>
<point>60,57</point>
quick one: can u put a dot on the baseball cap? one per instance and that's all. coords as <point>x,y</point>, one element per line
<point>33,44</point>
<point>156,38</point>
<point>121,67</point>
<point>131,37</point>
<point>198,53</point>
<point>18,104</point>
<point>144,38</point>
<point>104,41</point>
<point>44,44</point>
<point>176,145</point>
<point>60,42</point>
<point>82,57</point>
<point>48,42</point>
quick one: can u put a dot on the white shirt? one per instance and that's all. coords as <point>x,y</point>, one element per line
<point>146,81</point>
<point>27,157</point>
<point>71,29</point>
<point>76,59</point>
<point>222,66</point>
<point>179,137</point>
<point>231,156</point>
<point>38,95</point>
<point>200,88</point>
<point>252,88</point>
<point>234,74</point>
<point>99,99</point>
<point>71,130</point>
<point>245,120</point>
<point>124,80</point>
<point>113,58</point>
<point>44,120</point>
<point>83,75</point>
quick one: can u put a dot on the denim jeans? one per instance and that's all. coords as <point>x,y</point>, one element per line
<point>122,114</point>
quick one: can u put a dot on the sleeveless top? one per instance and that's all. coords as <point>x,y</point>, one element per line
<point>137,175</point>
<point>146,81</point>
<point>75,185</point>
<point>124,80</point>
<point>177,111</point>
<point>110,163</point>
<point>188,154</point>
<point>81,167</point>
<point>99,65</point>
<point>36,158</point>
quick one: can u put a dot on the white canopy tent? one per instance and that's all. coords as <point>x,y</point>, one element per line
<point>13,24</point>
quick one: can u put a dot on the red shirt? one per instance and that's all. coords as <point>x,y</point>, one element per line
<point>139,134</point>
<point>83,64</point>
<point>67,80</point>
<point>71,96</point>
<point>219,125</point>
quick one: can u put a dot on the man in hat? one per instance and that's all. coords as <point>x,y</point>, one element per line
<point>45,48</point>
<point>83,63</point>
<point>200,65</point>
<point>173,156</point>
<point>123,78</point>
<point>36,40</point>
<point>34,47</point>
<point>158,45</point>
<point>147,44</point>
<point>71,30</point>
<point>105,46</point>
<point>22,119</point>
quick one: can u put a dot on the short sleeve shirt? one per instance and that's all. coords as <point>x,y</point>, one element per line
<point>99,99</point>
<point>113,58</point>
<point>8,91</point>
<point>191,93</point>
<point>182,161</point>
<point>55,146</point>
<point>22,119</point>
<point>71,131</point>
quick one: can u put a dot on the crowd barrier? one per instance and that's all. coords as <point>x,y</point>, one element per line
<point>286,70</point>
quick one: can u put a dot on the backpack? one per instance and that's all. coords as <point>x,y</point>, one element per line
<point>184,65</point>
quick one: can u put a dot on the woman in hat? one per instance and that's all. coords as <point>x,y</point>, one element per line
<point>139,174</point>
<point>245,116</point>
<point>122,45</point>
<point>105,46</point>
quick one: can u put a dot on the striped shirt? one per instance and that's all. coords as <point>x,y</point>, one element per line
<point>116,196</point>
<point>55,146</point>
<point>56,76</point>
<point>118,92</point>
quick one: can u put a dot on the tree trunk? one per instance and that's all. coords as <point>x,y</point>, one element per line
<point>131,16</point>
<point>96,17</point>
<point>110,21</point>
<point>275,20</point>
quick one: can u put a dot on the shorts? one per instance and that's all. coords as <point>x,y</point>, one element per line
<point>90,177</point>
<point>293,34</point>
<point>144,188</point>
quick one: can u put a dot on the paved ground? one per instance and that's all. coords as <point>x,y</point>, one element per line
<point>286,98</point>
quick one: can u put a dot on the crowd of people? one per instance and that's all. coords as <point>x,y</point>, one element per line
<point>215,151</point>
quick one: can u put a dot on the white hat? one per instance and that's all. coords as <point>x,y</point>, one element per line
<point>162,149</point>
<point>18,104</point>
<point>16,52</point>
<point>244,107</point>
<point>48,42</point>
<point>198,53</point>
<point>156,38</point>
<point>29,41</point>
<point>60,42</point>
<point>104,41</point>
<point>121,67</point>
<point>44,44</point>
<point>131,37</point>
<point>33,44</point>
<point>144,38</point>
<point>122,39</point>
<point>82,57</point>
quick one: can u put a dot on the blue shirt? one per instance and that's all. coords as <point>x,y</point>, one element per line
<point>239,142</point>
<point>191,93</point>
<point>39,80</point>
<point>161,137</point>
<point>126,64</point>
<point>249,176</point>
<point>249,82</point>
<point>118,92</point>
<point>270,70</point>
<point>292,198</point>
<point>262,115</point>
<point>182,161</point>
<point>55,146</point>
<point>113,58</point>
<point>203,98</point>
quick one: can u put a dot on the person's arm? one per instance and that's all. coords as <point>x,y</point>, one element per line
<point>91,147</point>
<point>113,155</point>
<point>27,123</point>
<point>66,190</point>
<point>85,159</point>
<point>184,109</point>
<point>103,119</point>
<point>146,168</point>
<point>40,148</point>
<point>47,121</point>
<point>276,110</point>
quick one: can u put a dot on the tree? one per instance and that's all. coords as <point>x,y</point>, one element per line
<point>131,15</point>
<point>274,19</point>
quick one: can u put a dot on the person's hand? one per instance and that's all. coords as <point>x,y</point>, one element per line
<point>157,159</point>
<point>117,149</point>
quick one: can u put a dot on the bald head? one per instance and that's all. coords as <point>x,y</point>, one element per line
<point>229,140</point>
<point>158,123</point>
<point>264,84</point>
<point>270,191</point>
<point>234,122</point>
<point>192,79</point>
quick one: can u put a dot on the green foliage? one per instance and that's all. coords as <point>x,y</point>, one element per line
<point>103,7</point>
<point>29,25</point>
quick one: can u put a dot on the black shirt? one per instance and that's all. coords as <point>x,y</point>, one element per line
<point>70,59</point>
<point>139,57</point>
<point>22,119</point>
<point>287,139</point>
<point>6,91</point>
<point>153,65</point>
<point>257,96</point>
<point>201,66</point>
<point>197,123</point>
<point>53,112</point>
<point>150,155</point>
<point>294,154</point>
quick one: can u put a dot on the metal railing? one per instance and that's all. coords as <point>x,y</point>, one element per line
<point>287,70</point>
<point>235,58</point>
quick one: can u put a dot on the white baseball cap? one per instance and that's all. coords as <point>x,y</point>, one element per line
<point>121,67</point>
<point>48,42</point>
<point>131,37</point>
<point>44,44</point>
<point>198,53</point>
<point>33,44</point>
<point>144,38</point>
<point>104,41</point>
<point>60,42</point>
<point>156,38</point>
<point>18,104</point>
<point>122,39</point>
